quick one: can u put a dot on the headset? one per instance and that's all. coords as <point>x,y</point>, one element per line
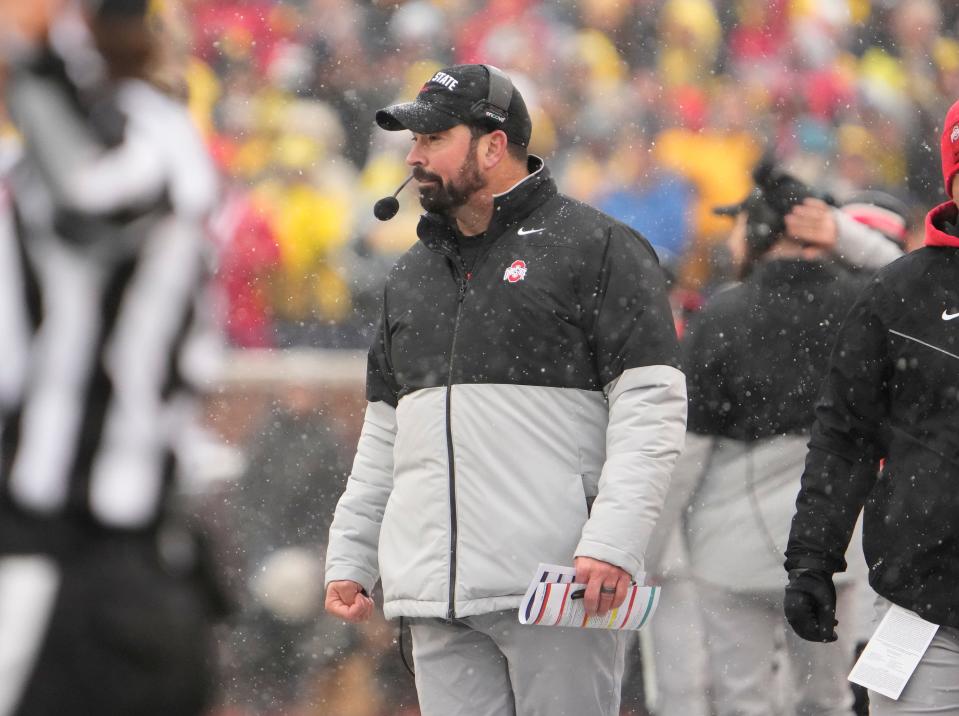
<point>494,110</point>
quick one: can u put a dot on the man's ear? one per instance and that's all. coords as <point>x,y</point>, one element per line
<point>493,149</point>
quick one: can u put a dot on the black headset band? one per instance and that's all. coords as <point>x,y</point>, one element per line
<point>494,110</point>
<point>500,89</point>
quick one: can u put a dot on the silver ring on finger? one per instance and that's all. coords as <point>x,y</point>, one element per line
<point>607,590</point>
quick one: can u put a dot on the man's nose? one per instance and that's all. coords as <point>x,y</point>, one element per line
<point>414,157</point>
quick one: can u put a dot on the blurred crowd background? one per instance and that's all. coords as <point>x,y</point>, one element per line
<point>653,110</point>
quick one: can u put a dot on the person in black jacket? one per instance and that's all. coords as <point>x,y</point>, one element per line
<point>754,359</point>
<point>891,395</point>
<point>525,406</point>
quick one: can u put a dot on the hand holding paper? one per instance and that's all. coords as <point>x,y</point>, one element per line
<point>606,584</point>
<point>555,599</point>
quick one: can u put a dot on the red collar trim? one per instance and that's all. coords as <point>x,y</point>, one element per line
<point>936,218</point>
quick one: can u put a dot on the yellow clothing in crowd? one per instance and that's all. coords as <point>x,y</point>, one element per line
<point>718,165</point>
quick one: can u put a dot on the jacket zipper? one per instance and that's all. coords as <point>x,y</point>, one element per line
<point>461,280</point>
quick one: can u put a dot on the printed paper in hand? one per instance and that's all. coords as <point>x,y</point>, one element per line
<point>549,602</point>
<point>893,652</point>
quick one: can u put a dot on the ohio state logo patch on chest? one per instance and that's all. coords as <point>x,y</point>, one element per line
<point>516,271</point>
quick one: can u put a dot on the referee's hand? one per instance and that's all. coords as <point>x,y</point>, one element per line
<point>606,584</point>
<point>348,601</point>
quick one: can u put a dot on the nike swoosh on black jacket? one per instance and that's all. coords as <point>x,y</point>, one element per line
<point>892,392</point>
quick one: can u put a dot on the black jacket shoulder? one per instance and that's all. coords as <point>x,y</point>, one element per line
<point>912,281</point>
<point>580,225</point>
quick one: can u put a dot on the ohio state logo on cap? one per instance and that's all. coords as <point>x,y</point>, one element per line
<point>955,134</point>
<point>516,271</point>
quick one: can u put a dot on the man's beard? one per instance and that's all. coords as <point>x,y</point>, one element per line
<point>445,197</point>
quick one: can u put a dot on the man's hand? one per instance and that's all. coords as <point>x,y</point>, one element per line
<point>812,223</point>
<point>810,604</point>
<point>348,601</point>
<point>606,584</point>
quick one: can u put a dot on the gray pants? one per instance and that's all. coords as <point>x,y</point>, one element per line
<point>933,687</point>
<point>744,631</point>
<point>491,665</point>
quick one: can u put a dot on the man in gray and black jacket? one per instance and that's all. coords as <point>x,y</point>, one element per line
<point>525,406</point>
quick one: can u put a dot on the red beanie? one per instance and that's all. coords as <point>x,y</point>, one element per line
<point>950,147</point>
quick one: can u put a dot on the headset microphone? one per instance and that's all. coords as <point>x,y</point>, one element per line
<point>386,208</point>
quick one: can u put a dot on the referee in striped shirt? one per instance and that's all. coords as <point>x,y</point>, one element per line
<point>104,603</point>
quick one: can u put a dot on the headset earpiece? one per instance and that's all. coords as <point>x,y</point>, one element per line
<point>494,110</point>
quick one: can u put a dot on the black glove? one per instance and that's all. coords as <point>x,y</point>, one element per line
<point>810,604</point>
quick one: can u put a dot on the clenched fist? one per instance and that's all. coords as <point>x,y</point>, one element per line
<point>348,601</point>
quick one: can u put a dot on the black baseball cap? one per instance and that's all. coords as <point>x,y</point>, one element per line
<point>452,96</point>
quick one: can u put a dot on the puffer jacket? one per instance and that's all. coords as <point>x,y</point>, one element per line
<point>892,393</point>
<point>527,411</point>
<point>755,360</point>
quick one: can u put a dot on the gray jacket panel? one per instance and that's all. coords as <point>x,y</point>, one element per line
<point>521,488</point>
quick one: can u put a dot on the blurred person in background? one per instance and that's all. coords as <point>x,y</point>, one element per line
<point>754,356</point>
<point>710,141</point>
<point>868,231</point>
<point>303,191</point>
<point>917,33</point>
<point>517,305</point>
<point>249,258</point>
<point>890,401</point>
<point>689,41</point>
<point>106,597</point>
